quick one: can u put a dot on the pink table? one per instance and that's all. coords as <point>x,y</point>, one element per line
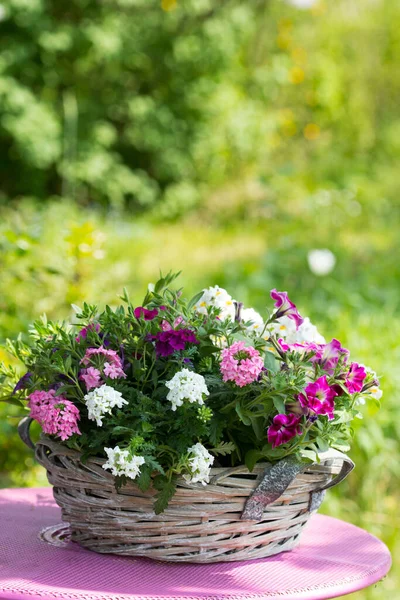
<point>333,559</point>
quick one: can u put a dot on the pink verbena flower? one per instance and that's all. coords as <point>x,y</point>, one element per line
<point>241,364</point>
<point>110,363</point>
<point>110,355</point>
<point>355,378</point>
<point>319,397</point>
<point>285,307</point>
<point>91,377</point>
<point>283,429</point>
<point>113,371</point>
<point>57,415</point>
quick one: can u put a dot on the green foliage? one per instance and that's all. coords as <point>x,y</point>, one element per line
<point>112,103</point>
<point>127,104</point>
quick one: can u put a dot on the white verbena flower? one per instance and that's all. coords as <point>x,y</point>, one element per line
<point>122,462</point>
<point>321,262</point>
<point>257,322</point>
<point>200,461</point>
<point>218,297</point>
<point>186,385</point>
<point>101,401</point>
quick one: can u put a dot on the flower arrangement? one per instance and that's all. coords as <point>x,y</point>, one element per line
<point>174,387</point>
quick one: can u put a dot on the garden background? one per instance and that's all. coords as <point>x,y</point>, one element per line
<point>224,138</point>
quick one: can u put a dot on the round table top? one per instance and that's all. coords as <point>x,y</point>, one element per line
<point>333,559</point>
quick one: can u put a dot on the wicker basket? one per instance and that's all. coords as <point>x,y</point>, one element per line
<point>201,524</point>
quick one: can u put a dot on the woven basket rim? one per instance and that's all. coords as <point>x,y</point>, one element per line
<point>44,440</point>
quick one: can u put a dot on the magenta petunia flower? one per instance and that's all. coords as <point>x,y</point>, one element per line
<point>91,377</point>
<point>355,378</point>
<point>329,354</point>
<point>318,397</point>
<point>241,364</point>
<point>147,314</point>
<point>57,415</point>
<point>285,307</point>
<point>82,335</point>
<point>283,429</point>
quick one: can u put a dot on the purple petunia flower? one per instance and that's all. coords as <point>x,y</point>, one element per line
<point>318,397</point>
<point>22,383</point>
<point>285,307</point>
<point>147,314</point>
<point>283,429</point>
<point>355,378</point>
<point>173,340</point>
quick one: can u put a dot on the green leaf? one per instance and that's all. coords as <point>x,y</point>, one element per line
<point>166,490</point>
<point>244,418</point>
<point>208,350</point>
<point>144,479</point>
<point>279,405</point>
<point>322,444</point>
<point>252,457</point>
<point>270,362</point>
<point>224,448</point>
<point>11,400</point>
<point>194,300</point>
<point>310,455</point>
<point>341,445</point>
<point>258,424</point>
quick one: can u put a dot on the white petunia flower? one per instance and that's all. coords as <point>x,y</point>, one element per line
<point>122,462</point>
<point>321,262</point>
<point>200,461</point>
<point>101,401</point>
<point>375,392</point>
<point>302,4</point>
<point>186,385</point>
<point>257,322</point>
<point>286,329</point>
<point>218,297</point>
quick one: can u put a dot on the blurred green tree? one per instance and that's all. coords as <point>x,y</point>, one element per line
<point>111,102</point>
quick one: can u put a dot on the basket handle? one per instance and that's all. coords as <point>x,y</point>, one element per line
<point>278,476</point>
<point>347,466</point>
<point>23,431</point>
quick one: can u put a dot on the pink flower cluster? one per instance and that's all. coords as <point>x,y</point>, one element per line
<point>57,415</point>
<point>106,361</point>
<point>241,364</point>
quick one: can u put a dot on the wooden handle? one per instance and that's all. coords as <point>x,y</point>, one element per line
<point>23,430</point>
<point>347,466</point>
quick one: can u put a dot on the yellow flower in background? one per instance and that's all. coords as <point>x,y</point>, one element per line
<point>312,131</point>
<point>287,122</point>
<point>168,5</point>
<point>296,75</point>
<point>299,55</point>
